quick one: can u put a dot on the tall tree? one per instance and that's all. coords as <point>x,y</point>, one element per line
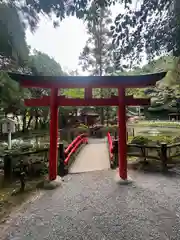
<point>41,64</point>
<point>13,57</point>
<point>12,96</point>
<point>13,47</point>
<point>97,55</point>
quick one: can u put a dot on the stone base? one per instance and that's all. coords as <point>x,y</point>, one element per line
<point>121,181</point>
<point>50,185</point>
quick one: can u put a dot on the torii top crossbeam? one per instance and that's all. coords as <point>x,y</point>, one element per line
<point>87,81</point>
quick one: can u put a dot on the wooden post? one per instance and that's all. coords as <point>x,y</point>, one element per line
<point>22,176</point>
<point>122,135</point>
<point>72,135</point>
<point>9,140</point>
<point>163,156</point>
<point>8,168</point>
<point>115,152</point>
<point>61,160</point>
<point>53,135</point>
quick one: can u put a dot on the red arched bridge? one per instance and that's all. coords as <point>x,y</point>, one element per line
<point>86,154</point>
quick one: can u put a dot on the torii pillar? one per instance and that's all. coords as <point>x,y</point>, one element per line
<point>122,135</point>
<point>53,153</point>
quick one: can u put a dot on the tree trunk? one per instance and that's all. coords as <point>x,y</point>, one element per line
<point>101,63</point>
<point>29,122</point>
<point>107,115</point>
<point>36,123</point>
<point>102,110</point>
<point>18,125</point>
<point>24,121</point>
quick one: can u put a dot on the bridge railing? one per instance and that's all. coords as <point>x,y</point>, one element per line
<point>74,146</point>
<point>110,146</point>
<point>113,150</point>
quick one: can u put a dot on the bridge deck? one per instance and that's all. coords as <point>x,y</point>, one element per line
<point>94,156</point>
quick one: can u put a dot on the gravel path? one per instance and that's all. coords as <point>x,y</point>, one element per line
<point>94,156</point>
<point>92,206</point>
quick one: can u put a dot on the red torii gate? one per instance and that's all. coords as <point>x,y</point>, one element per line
<point>88,83</point>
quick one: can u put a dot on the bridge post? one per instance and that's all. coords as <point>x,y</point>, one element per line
<point>88,93</point>
<point>53,134</point>
<point>122,143</point>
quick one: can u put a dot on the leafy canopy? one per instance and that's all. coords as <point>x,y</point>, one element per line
<point>152,26</point>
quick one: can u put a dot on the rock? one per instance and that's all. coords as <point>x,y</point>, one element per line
<point>50,185</point>
<point>121,181</point>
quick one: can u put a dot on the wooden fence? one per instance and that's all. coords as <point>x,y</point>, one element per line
<point>34,161</point>
<point>166,153</point>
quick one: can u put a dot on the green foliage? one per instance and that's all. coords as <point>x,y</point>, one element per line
<point>11,95</point>
<point>74,92</point>
<point>165,95</point>
<point>81,9</point>
<point>162,139</point>
<point>83,126</point>
<point>12,35</point>
<point>140,140</point>
<point>42,65</point>
<point>13,57</point>
<point>152,27</point>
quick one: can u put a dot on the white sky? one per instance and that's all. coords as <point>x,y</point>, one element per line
<point>64,43</point>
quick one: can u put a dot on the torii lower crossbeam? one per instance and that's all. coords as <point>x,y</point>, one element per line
<point>62,101</point>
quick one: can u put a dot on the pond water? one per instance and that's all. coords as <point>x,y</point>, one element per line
<point>31,142</point>
<point>157,131</point>
<point>36,141</point>
<point>39,142</point>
